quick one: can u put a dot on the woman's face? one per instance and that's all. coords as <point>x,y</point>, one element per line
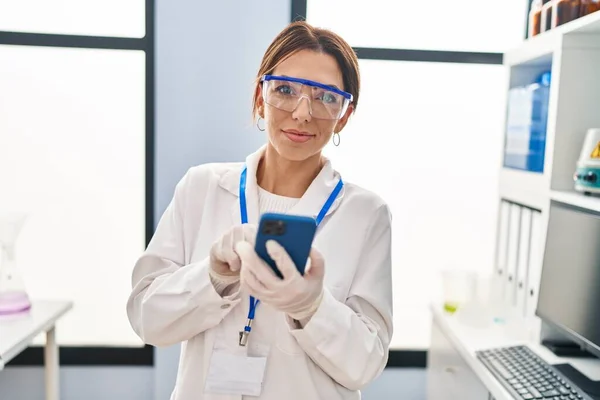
<point>297,135</point>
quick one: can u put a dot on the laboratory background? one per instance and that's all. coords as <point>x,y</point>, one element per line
<point>479,125</point>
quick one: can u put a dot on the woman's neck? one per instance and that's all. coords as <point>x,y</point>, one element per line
<point>284,177</point>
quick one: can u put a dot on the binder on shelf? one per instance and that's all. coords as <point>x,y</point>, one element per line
<point>523,259</point>
<point>502,246</point>
<point>535,263</point>
<point>512,255</point>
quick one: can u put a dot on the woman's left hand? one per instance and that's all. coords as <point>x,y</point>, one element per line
<point>296,295</point>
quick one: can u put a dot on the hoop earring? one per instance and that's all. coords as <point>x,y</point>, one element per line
<point>258,125</point>
<point>336,142</point>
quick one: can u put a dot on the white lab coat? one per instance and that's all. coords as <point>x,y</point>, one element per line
<point>345,344</point>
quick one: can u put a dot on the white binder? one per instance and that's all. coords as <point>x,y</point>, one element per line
<point>502,247</point>
<point>510,293</point>
<point>535,263</point>
<point>523,259</point>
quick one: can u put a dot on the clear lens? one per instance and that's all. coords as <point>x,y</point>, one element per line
<point>285,95</point>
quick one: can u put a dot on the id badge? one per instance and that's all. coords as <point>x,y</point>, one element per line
<point>236,371</point>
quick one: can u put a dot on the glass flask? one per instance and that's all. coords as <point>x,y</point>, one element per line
<point>13,296</point>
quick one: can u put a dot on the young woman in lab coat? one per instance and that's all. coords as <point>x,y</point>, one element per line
<point>324,335</point>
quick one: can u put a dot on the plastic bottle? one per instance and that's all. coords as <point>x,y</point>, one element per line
<point>527,117</point>
<point>565,11</point>
<point>535,18</point>
<point>539,93</point>
<point>546,15</point>
<point>588,7</point>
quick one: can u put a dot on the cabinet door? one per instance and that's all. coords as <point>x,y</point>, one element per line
<point>448,375</point>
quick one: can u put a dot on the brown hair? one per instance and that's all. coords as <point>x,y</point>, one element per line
<point>299,36</point>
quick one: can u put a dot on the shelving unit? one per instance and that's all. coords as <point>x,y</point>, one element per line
<point>547,43</point>
<point>577,199</point>
<point>572,53</point>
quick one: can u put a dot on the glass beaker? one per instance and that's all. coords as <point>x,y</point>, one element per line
<point>458,288</point>
<point>13,296</point>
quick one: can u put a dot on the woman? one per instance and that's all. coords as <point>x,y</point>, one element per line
<point>323,335</point>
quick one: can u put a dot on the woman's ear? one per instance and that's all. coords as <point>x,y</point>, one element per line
<point>260,102</point>
<point>344,120</point>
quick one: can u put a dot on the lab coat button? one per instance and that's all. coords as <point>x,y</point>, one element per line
<point>225,306</point>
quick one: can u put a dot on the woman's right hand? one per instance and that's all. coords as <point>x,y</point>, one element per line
<point>225,263</point>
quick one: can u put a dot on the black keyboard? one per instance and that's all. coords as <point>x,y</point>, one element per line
<point>526,376</point>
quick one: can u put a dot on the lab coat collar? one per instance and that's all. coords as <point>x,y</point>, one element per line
<point>310,204</point>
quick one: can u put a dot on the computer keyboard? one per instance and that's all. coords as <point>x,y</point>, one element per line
<point>526,376</point>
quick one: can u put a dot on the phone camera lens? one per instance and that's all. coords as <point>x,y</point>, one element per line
<point>280,230</point>
<point>276,228</point>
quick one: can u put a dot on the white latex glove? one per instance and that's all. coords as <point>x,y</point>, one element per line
<point>225,263</point>
<point>296,295</point>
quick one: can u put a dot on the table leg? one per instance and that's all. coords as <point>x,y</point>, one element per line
<point>51,366</point>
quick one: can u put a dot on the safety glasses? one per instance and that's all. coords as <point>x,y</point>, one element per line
<point>324,101</point>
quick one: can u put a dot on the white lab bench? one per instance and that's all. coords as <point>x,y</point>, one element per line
<point>18,331</point>
<point>453,370</point>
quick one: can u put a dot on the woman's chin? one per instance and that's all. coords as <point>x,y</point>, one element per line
<point>295,151</point>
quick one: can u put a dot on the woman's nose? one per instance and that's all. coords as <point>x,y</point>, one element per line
<point>303,110</point>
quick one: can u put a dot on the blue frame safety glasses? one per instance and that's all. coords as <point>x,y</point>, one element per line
<point>324,101</point>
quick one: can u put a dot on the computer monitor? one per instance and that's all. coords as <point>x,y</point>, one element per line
<point>569,296</point>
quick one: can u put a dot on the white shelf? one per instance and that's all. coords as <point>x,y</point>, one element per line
<point>523,187</point>
<point>576,199</point>
<point>534,52</point>
<point>539,49</point>
<point>588,24</point>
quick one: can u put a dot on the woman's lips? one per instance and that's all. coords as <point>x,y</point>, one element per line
<point>297,136</point>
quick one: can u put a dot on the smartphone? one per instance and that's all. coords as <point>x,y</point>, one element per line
<point>293,232</point>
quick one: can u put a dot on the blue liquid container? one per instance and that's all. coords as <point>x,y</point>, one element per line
<point>527,120</point>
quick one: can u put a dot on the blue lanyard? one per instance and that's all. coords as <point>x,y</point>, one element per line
<point>244,213</point>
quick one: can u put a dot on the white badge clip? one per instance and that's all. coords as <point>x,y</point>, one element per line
<point>245,333</point>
